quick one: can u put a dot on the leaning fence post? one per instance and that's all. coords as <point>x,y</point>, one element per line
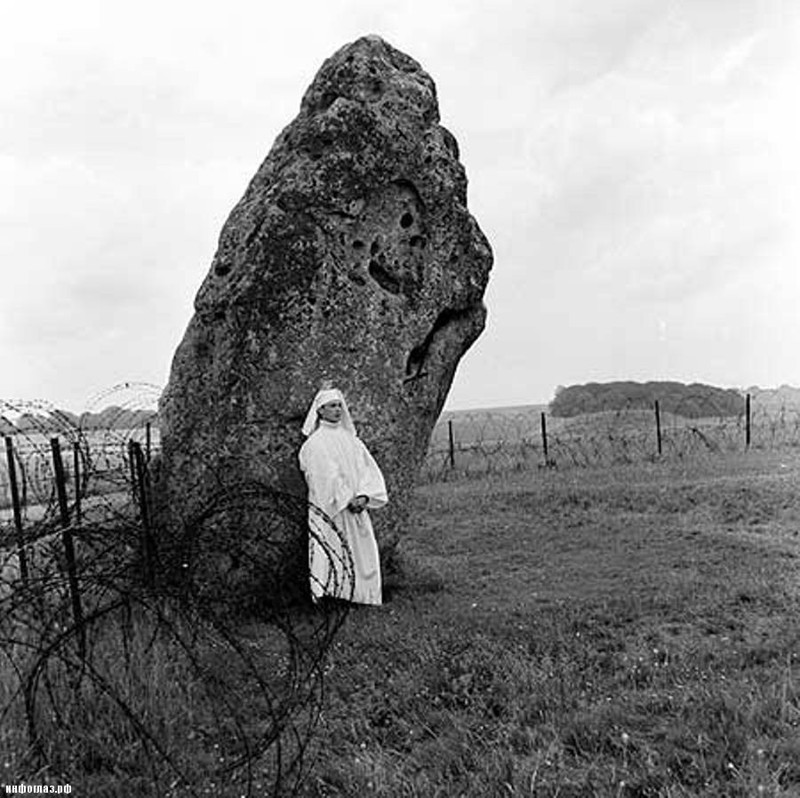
<point>148,440</point>
<point>544,439</point>
<point>132,466</point>
<point>69,546</point>
<point>658,426</point>
<point>452,443</point>
<point>76,468</point>
<point>148,545</point>
<point>747,422</point>
<point>17,507</point>
<point>61,481</point>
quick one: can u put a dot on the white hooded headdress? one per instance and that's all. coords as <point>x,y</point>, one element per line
<point>323,397</point>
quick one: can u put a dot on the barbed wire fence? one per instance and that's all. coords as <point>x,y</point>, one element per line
<point>468,444</point>
<point>122,669</point>
<point>127,667</point>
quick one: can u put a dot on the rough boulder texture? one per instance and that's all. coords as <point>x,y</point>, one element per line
<point>351,258</point>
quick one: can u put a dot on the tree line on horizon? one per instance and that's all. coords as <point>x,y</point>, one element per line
<point>696,400</point>
<point>109,418</point>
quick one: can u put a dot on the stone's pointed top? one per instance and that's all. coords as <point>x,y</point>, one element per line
<point>369,70</point>
<point>378,46</point>
<point>371,42</point>
<point>369,39</point>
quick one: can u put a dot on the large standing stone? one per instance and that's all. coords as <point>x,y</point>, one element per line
<point>351,258</point>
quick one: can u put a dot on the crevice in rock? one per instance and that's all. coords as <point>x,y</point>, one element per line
<point>340,214</point>
<point>317,144</point>
<point>384,279</point>
<point>357,276</point>
<point>419,354</point>
<point>450,142</point>
<point>408,186</point>
<point>326,100</point>
<point>252,235</point>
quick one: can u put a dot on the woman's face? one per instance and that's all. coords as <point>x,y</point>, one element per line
<point>331,411</point>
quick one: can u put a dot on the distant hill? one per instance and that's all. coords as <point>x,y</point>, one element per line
<point>108,418</point>
<point>115,418</point>
<point>690,401</point>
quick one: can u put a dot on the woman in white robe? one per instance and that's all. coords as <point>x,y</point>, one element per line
<point>343,481</point>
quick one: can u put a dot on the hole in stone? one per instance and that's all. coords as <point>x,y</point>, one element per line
<point>221,269</point>
<point>357,277</point>
<point>358,244</point>
<point>406,220</point>
<point>374,247</point>
<point>416,358</point>
<point>385,280</point>
<point>417,241</point>
<point>327,100</point>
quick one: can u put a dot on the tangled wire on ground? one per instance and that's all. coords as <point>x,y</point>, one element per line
<point>137,665</point>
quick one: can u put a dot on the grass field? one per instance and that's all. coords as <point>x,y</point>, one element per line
<point>624,632</point>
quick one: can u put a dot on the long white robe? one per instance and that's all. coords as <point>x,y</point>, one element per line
<point>338,467</point>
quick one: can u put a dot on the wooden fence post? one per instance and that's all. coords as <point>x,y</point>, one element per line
<point>658,426</point>
<point>747,422</point>
<point>148,441</point>
<point>452,443</point>
<point>69,546</point>
<point>544,439</point>
<point>61,481</point>
<point>76,469</point>
<point>142,483</point>
<point>132,466</point>
<point>17,508</point>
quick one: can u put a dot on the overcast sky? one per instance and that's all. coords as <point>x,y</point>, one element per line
<point>634,163</point>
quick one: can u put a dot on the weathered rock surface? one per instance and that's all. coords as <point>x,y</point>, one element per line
<point>351,258</point>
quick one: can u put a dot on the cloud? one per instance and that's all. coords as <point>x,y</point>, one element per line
<point>626,164</point>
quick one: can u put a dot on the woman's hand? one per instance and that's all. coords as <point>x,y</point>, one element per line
<point>358,504</point>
